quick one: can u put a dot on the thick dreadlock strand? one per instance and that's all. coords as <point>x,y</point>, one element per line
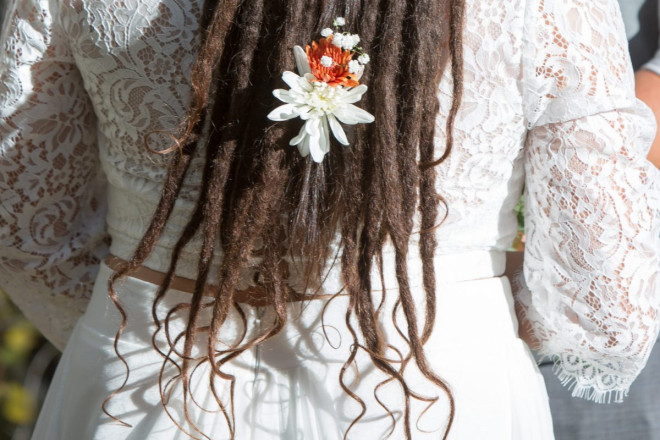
<point>215,27</point>
<point>371,215</point>
<point>429,199</point>
<point>415,65</point>
<point>384,87</point>
<point>457,10</point>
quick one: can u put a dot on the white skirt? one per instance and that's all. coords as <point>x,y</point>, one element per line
<point>288,388</point>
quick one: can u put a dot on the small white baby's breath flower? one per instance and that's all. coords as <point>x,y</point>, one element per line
<point>338,40</point>
<point>327,32</point>
<point>364,59</point>
<point>349,41</point>
<point>353,66</point>
<point>326,61</point>
<point>339,21</point>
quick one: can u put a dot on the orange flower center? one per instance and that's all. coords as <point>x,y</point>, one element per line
<point>336,74</point>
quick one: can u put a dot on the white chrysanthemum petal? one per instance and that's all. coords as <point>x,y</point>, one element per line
<point>327,32</point>
<point>305,82</point>
<point>354,94</point>
<point>284,113</point>
<point>303,147</point>
<point>284,96</point>
<point>324,136</point>
<point>313,127</point>
<point>351,115</point>
<point>364,58</point>
<point>337,130</point>
<point>292,80</point>
<point>362,116</point>
<point>302,62</point>
<point>345,115</point>
<point>305,112</point>
<point>310,78</point>
<point>299,138</point>
<point>315,150</point>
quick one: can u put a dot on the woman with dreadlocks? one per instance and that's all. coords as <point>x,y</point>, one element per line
<point>296,213</point>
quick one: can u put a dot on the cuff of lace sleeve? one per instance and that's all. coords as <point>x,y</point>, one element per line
<point>587,378</point>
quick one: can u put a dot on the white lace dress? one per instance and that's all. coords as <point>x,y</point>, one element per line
<point>548,103</point>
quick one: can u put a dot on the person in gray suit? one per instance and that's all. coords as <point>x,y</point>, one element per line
<point>638,418</point>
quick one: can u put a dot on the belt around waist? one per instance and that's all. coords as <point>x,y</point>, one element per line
<point>449,268</point>
<point>254,295</point>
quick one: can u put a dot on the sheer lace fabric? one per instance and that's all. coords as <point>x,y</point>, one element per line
<point>548,102</point>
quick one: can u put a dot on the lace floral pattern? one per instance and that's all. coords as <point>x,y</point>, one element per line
<point>548,102</point>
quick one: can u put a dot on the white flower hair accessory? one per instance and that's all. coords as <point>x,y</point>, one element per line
<point>324,91</point>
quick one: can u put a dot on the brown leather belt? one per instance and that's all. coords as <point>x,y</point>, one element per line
<point>254,296</point>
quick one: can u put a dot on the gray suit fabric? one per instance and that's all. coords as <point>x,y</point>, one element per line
<point>640,18</point>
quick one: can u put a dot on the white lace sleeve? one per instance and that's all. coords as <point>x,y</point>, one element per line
<point>51,190</point>
<point>592,223</point>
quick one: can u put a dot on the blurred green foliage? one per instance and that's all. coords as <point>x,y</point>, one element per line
<point>519,241</point>
<point>19,341</point>
<point>19,405</point>
<point>520,213</point>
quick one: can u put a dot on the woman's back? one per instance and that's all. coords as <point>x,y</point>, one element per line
<point>547,102</point>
